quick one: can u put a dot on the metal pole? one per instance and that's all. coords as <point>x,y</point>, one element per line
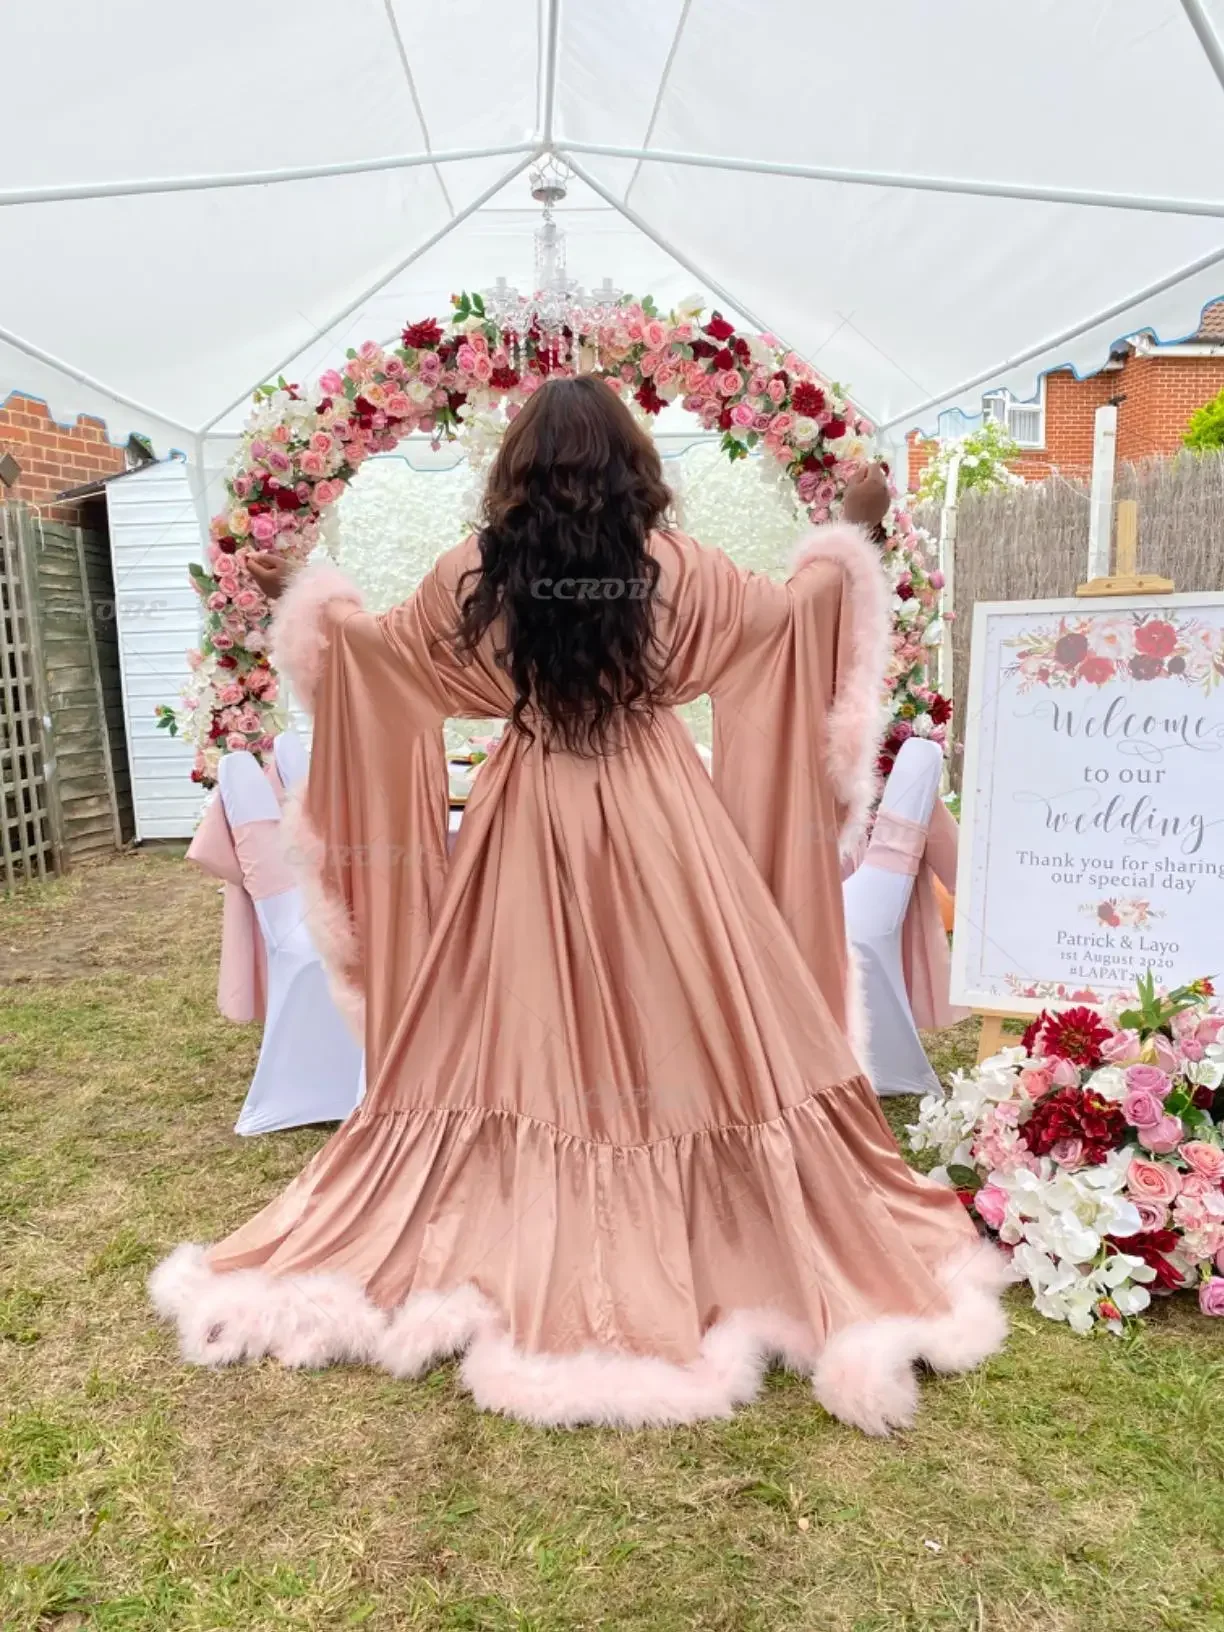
<point>1207,36</point>
<point>254,178</point>
<point>368,294</point>
<point>907,182</point>
<point>1100,516</point>
<point>990,375</point>
<point>82,378</point>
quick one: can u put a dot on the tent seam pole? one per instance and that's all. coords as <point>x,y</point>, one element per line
<point>552,30</point>
<point>904,182</point>
<point>254,178</point>
<point>79,375</point>
<point>659,94</point>
<point>416,101</point>
<point>368,294</point>
<point>681,259</point>
<point>1202,264</point>
<point>1207,36</point>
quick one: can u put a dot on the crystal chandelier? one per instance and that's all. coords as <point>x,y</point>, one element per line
<point>559,308</point>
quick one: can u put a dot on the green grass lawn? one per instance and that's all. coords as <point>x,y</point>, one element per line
<point>1072,1483</point>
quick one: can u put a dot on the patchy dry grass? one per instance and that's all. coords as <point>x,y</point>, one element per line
<point>1072,1486</point>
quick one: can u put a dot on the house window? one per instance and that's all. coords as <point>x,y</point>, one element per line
<point>1024,422</point>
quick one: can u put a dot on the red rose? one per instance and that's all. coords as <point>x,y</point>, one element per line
<point>649,398</point>
<point>718,328</point>
<point>703,349</point>
<point>834,429</point>
<point>286,499</point>
<point>421,336</point>
<point>724,420</point>
<point>455,400</point>
<point>1071,649</point>
<point>227,545</point>
<point>1151,1246</point>
<point>808,399</point>
<point>504,379</point>
<point>724,359</point>
<point>941,709</point>
<point>810,461</point>
<point>741,348</point>
<point>1155,638</point>
<point>904,592</point>
<point>829,460</point>
<point>227,662</point>
<point>1098,671</point>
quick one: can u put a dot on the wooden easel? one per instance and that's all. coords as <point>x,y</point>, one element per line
<point>1126,579</point>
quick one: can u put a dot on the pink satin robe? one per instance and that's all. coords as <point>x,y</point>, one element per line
<point>615,1143</point>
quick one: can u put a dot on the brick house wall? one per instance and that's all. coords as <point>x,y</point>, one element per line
<point>54,457</point>
<point>1161,394</point>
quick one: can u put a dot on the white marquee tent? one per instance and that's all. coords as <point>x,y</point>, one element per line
<point>922,199</point>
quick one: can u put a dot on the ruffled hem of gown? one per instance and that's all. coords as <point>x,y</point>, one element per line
<point>762,1247</point>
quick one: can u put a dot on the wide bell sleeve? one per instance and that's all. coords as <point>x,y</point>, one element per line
<point>369,835</point>
<point>798,716</point>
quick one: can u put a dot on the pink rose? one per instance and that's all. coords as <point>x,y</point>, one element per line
<point>247,599</point>
<point>236,742</point>
<point>399,405</point>
<point>312,463</point>
<point>655,335</point>
<point>729,383</point>
<point>1067,1152</point>
<point>263,528</point>
<point>665,374</point>
<point>742,415</point>
<point>1152,1181</point>
<point>1208,1031</point>
<point>1197,1185</point>
<point>259,449</point>
<point>217,602</point>
<point>482,368</point>
<point>1219,1260</point>
<point>1148,1078</point>
<point>1153,1215</point>
<point>242,486</point>
<point>937,579</point>
<point>1164,1138</point>
<point>369,351</point>
<point>229,694</point>
<point>1142,1108</point>
<point>331,384</point>
<point>991,1205</point>
<point>1166,1054</point>
<point>1035,1080</point>
<point>466,358</point>
<point>249,720</point>
<point>806,486</point>
<point>279,461</point>
<point>1211,1296</point>
<point>393,368</point>
<point>429,367</point>
<point>776,391</point>
<point>1122,1046</point>
<point>1064,1075</point>
<point>1206,1160</point>
<point>781,424</point>
<point>221,641</point>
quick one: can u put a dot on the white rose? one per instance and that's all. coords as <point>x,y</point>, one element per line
<point>804,430</point>
<point>1109,1083</point>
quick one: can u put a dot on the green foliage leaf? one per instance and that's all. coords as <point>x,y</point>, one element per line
<point>1205,432</point>
<point>964,1178</point>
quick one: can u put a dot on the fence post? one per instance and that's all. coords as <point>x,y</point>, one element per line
<point>1100,516</point>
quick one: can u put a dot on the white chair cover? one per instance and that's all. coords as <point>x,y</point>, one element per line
<point>309,1068</point>
<point>876,897</point>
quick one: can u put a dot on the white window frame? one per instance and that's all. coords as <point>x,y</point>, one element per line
<point>1013,409</point>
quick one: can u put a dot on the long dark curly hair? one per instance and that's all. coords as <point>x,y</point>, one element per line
<point>565,577</point>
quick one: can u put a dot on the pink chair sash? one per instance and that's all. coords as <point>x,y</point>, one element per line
<point>260,847</point>
<point>242,979</point>
<point>897,845</point>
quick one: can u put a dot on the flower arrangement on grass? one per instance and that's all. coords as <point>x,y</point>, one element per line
<point>1094,1151</point>
<point>302,446</point>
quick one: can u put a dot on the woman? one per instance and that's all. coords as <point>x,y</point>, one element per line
<point>617,1147</point>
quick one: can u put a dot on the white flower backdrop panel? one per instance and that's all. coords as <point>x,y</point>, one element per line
<point>394,520</point>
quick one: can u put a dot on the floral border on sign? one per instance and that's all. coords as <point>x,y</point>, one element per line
<point>1102,647</point>
<point>302,446</point>
<point>1125,911</point>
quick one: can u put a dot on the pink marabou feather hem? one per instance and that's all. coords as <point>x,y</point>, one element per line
<point>299,625</point>
<point>856,722</point>
<point>864,1375</point>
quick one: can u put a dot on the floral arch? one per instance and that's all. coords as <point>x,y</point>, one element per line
<point>301,448</point>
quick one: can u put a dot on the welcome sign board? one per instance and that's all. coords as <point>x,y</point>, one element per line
<point>1092,836</point>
